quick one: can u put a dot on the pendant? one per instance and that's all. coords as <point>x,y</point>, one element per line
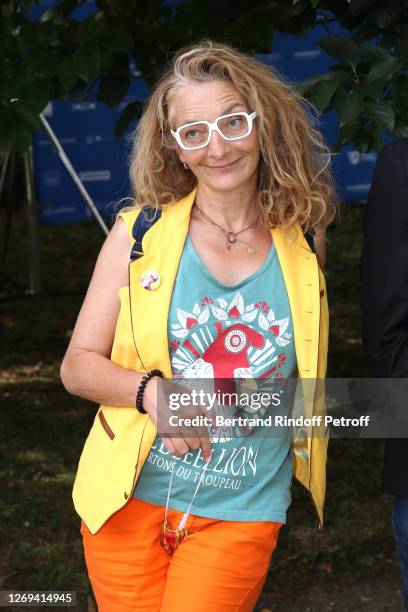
<point>171,538</point>
<point>251,248</point>
<point>231,237</point>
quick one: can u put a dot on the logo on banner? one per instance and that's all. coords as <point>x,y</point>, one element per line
<point>95,176</point>
<point>83,106</point>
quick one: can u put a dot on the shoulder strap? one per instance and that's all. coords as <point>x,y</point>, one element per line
<point>144,221</point>
<point>148,217</point>
<point>310,241</point>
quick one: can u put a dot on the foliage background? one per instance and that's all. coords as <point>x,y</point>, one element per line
<point>60,55</point>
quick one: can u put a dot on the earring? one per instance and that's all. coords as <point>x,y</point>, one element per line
<point>186,166</point>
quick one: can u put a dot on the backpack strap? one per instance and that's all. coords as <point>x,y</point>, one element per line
<point>144,221</point>
<point>309,239</point>
<point>148,217</point>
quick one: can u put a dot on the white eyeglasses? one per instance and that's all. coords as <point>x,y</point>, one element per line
<point>197,135</point>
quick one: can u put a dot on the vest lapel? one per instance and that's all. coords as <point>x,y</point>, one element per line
<point>162,246</point>
<point>300,271</point>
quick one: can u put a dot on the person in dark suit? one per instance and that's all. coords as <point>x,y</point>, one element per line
<point>384,273</point>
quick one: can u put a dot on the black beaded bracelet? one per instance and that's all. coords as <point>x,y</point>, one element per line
<point>141,389</point>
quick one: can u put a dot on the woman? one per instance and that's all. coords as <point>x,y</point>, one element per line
<point>221,286</point>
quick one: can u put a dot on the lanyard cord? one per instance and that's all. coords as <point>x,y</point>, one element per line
<point>185,515</point>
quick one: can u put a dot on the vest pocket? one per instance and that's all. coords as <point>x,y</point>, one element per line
<point>105,425</point>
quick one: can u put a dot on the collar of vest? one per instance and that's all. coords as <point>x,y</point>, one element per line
<point>163,246</point>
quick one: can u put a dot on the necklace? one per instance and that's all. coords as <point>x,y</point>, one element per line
<point>231,237</point>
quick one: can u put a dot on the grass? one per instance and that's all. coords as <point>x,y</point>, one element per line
<point>44,429</point>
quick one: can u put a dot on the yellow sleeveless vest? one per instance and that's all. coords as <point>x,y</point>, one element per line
<point>120,438</point>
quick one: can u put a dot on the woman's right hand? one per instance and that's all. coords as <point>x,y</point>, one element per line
<point>179,438</point>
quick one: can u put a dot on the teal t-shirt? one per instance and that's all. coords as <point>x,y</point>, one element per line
<point>220,333</point>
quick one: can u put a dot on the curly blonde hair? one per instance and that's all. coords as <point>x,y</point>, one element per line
<point>295,184</point>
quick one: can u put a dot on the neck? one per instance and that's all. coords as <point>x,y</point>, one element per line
<point>230,209</point>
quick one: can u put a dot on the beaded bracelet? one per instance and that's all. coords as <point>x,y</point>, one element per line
<point>141,389</point>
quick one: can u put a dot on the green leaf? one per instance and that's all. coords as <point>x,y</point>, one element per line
<point>340,99</point>
<point>130,113</point>
<point>323,92</point>
<point>120,62</point>
<point>26,116</point>
<point>87,62</point>
<point>298,7</point>
<point>62,9</point>
<point>45,66</point>
<point>36,97</point>
<point>366,31</point>
<point>376,129</point>
<point>49,15</point>
<point>342,74</point>
<point>389,36</point>
<point>113,88</point>
<point>373,89</point>
<point>47,33</point>
<point>91,27</point>
<point>12,87</point>
<point>253,29</point>
<point>378,142</point>
<point>66,73</point>
<point>401,130</point>
<point>307,85</point>
<point>106,62</point>
<point>343,48</point>
<point>373,53</point>
<point>358,6</point>
<point>399,89</point>
<point>7,133</point>
<point>117,37</point>
<point>349,131</point>
<point>383,69</point>
<point>348,107</point>
<point>381,112</point>
<point>401,50</point>
<point>362,141</point>
<point>387,14</point>
<point>23,139</point>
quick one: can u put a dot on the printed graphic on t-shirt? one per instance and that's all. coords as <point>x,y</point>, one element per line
<point>229,343</point>
<point>219,339</point>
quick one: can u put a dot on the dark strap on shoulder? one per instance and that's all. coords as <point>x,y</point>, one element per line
<point>310,241</point>
<point>148,217</point>
<point>144,221</point>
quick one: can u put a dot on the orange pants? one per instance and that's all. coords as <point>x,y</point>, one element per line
<point>220,566</point>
